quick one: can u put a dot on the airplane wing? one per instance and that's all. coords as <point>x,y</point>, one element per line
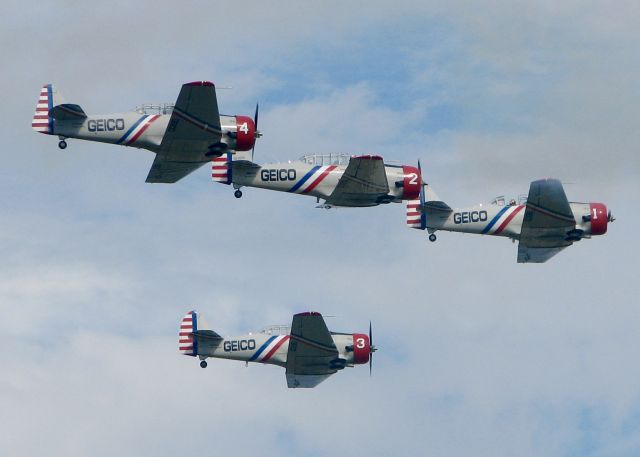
<point>311,350</point>
<point>363,183</point>
<point>193,127</point>
<point>547,220</point>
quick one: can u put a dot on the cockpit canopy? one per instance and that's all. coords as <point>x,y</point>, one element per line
<point>502,200</point>
<point>276,330</point>
<point>326,159</point>
<point>159,108</point>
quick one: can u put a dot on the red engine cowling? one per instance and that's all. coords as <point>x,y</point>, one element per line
<point>245,133</point>
<point>599,218</point>
<point>411,182</point>
<point>361,348</point>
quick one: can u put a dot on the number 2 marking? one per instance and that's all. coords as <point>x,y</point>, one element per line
<point>413,179</point>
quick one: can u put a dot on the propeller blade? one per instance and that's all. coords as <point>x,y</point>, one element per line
<point>371,349</point>
<point>610,217</point>
<point>255,117</point>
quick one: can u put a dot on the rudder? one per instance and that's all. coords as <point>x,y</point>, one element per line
<point>187,343</point>
<point>41,121</point>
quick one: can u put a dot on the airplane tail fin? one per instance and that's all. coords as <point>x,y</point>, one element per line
<point>221,168</point>
<point>52,107</point>
<point>41,121</point>
<point>429,202</point>
<point>194,333</point>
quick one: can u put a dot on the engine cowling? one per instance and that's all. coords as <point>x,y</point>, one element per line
<point>599,218</point>
<point>411,182</point>
<point>245,133</point>
<point>361,348</point>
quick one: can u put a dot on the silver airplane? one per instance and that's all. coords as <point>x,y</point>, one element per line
<point>184,135</point>
<point>544,222</point>
<point>308,351</point>
<point>338,179</point>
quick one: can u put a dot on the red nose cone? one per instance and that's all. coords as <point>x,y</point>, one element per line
<point>361,348</point>
<point>246,133</point>
<point>411,182</point>
<point>598,218</point>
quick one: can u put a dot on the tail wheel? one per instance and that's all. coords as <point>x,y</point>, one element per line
<point>62,144</point>
<point>237,193</point>
<point>203,364</point>
<point>432,237</point>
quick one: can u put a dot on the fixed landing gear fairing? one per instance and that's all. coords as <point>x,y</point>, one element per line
<point>308,351</point>
<point>184,135</point>
<point>544,222</point>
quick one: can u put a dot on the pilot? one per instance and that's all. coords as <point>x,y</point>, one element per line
<point>512,202</point>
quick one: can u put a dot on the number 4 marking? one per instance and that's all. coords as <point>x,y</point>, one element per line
<point>244,128</point>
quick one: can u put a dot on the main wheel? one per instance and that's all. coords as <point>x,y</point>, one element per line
<point>203,364</point>
<point>237,193</point>
<point>62,144</point>
<point>432,237</point>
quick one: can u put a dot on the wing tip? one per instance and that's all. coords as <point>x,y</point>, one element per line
<point>309,313</point>
<point>200,83</point>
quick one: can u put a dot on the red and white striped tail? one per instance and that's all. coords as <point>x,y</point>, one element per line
<point>41,121</point>
<point>414,215</point>
<point>221,169</point>
<point>186,341</point>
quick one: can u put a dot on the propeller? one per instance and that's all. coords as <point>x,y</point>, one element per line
<point>257,132</point>
<point>610,217</point>
<point>372,349</point>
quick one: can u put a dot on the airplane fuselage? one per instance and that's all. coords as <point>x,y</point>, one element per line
<point>132,128</point>
<point>497,220</point>
<point>316,180</point>
<point>269,349</point>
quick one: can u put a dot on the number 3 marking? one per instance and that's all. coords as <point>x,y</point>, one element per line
<point>360,343</point>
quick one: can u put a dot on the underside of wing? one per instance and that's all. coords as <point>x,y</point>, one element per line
<point>547,221</point>
<point>364,183</point>
<point>194,128</point>
<point>528,254</point>
<point>311,351</point>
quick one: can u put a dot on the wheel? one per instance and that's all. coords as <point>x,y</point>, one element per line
<point>432,237</point>
<point>62,144</point>
<point>203,364</point>
<point>237,193</point>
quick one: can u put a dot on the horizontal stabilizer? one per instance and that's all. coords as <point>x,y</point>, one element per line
<point>67,112</point>
<point>437,206</point>
<point>207,334</point>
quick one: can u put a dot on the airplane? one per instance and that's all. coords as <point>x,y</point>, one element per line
<point>544,222</point>
<point>184,135</point>
<point>308,351</point>
<point>341,180</point>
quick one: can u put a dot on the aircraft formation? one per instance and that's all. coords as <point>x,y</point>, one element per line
<point>191,133</point>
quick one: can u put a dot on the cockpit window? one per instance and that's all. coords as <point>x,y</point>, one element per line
<point>326,159</point>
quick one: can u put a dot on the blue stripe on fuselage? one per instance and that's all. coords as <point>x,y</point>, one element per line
<point>495,219</point>
<point>304,179</point>
<point>132,129</point>
<point>262,348</point>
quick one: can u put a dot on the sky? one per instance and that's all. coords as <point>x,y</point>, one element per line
<point>478,355</point>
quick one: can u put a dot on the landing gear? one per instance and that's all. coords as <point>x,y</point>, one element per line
<point>237,193</point>
<point>62,144</point>
<point>432,237</point>
<point>203,364</point>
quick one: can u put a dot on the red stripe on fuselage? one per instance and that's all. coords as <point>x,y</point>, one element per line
<point>144,127</point>
<point>508,219</point>
<point>319,178</point>
<point>275,348</point>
